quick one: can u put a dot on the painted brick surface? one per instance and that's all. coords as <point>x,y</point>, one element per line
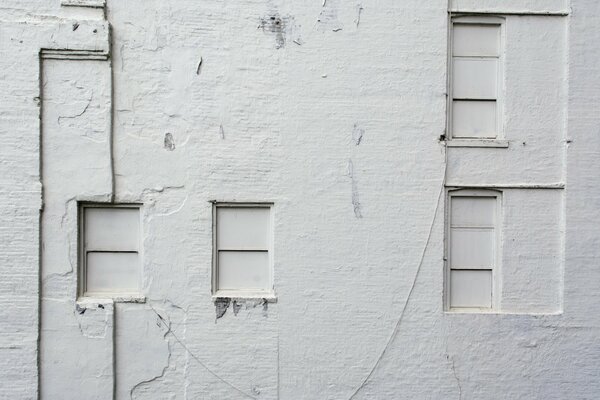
<point>333,111</point>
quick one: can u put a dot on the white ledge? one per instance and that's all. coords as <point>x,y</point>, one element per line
<point>548,13</point>
<point>269,297</point>
<point>558,185</point>
<point>66,54</point>
<point>104,298</point>
<point>477,143</point>
<point>83,3</point>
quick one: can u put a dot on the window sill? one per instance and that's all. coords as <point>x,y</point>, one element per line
<point>269,297</point>
<point>100,298</point>
<point>477,143</point>
<point>487,311</point>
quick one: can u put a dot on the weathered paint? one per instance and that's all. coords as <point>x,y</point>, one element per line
<point>334,112</point>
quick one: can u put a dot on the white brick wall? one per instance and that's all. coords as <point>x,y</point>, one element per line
<point>333,111</point>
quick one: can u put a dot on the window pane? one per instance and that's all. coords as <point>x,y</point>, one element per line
<point>472,248</point>
<point>112,229</point>
<point>471,288</point>
<point>474,119</point>
<point>476,40</point>
<point>473,211</point>
<point>474,78</point>
<point>242,228</point>
<point>112,272</point>
<point>243,270</point>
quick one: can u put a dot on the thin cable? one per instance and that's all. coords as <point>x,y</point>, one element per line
<point>170,331</point>
<point>412,287</point>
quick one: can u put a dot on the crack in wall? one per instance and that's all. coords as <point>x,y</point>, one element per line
<point>197,359</point>
<point>77,115</point>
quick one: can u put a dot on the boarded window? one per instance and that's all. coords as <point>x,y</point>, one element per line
<point>475,79</point>
<point>110,251</point>
<point>472,249</point>
<point>242,259</point>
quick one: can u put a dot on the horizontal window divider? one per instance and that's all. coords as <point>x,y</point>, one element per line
<point>474,99</point>
<point>245,250</point>
<point>87,251</point>
<point>473,228</point>
<point>476,57</point>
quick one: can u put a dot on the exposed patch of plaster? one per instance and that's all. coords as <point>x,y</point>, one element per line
<point>328,17</point>
<point>91,324</point>
<point>169,142</point>
<point>355,201</point>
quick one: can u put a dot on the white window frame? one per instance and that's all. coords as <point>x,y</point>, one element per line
<point>117,296</point>
<point>496,281</point>
<point>268,294</point>
<point>499,140</point>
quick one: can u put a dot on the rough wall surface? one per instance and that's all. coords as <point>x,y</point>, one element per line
<point>333,111</point>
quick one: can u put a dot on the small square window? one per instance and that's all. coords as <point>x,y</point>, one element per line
<point>242,250</point>
<point>110,265</point>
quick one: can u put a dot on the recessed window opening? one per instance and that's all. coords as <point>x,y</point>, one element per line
<point>110,262</point>
<point>242,259</point>
<point>475,72</point>
<point>472,249</point>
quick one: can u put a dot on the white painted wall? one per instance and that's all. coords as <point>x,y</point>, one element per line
<point>333,112</point>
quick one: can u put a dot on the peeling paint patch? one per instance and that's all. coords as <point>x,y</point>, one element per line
<point>169,142</point>
<point>221,306</point>
<point>277,26</point>
<point>357,134</point>
<point>359,10</point>
<point>328,17</point>
<point>236,306</point>
<point>199,67</point>
<point>355,201</point>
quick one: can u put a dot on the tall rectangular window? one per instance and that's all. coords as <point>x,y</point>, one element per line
<point>243,250</point>
<point>110,264</point>
<point>472,248</point>
<point>475,71</point>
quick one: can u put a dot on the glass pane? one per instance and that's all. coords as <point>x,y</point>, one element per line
<point>472,248</point>
<point>113,272</point>
<point>476,40</point>
<point>241,228</point>
<point>473,211</point>
<point>474,119</point>
<point>471,288</point>
<point>112,229</point>
<point>244,270</point>
<point>474,78</point>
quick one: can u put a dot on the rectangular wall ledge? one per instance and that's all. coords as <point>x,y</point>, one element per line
<point>83,3</point>
<point>510,7</point>
<point>555,186</point>
<point>239,295</point>
<point>477,143</point>
<point>66,54</point>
